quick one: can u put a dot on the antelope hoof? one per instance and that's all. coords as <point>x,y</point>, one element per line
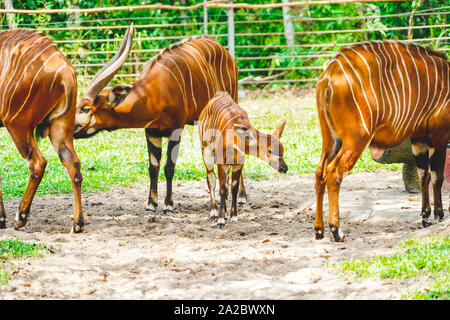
<point>426,222</point>
<point>242,200</point>
<point>213,215</point>
<point>77,228</point>
<point>338,235</point>
<point>150,207</point>
<point>234,219</point>
<point>2,223</point>
<point>439,215</point>
<point>221,223</point>
<point>21,220</point>
<point>319,233</point>
<point>167,208</point>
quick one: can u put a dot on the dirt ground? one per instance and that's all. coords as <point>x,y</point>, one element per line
<point>270,253</point>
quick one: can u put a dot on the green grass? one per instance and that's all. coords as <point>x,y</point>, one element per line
<point>13,249</point>
<point>421,258</point>
<point>119,158</point>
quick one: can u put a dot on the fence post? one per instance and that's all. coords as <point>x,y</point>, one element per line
<point>411,19</point>
<point>288,27</point>
<point>205,18</point>
<point>9,16</point>
<point>230,14</point>
<point>362,10</point>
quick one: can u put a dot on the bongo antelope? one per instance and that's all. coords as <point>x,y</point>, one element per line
<point>227,136</point>
<point>379,94</point>
<point>38,94</point>
<point>171,91</point>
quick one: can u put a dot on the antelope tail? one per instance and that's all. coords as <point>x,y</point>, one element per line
<point>324,103</point>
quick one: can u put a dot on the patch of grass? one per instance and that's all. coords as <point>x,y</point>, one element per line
<point>13,249</point>
<point>419,257</point>
<point>119,158</point>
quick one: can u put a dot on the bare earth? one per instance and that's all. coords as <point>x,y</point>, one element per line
<point>270,253</point>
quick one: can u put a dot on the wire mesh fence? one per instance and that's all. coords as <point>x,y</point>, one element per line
<point>287,43</point>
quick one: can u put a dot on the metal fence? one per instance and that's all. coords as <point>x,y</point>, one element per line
<point>286,43</point>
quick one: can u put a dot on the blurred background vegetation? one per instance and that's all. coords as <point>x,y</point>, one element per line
<point>268,23</point>
<point>106,163</point>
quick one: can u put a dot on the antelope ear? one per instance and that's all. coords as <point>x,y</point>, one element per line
<point>240,128</point>
<point>118,94</point>
<point>243,130</point>
<point>279,131</point>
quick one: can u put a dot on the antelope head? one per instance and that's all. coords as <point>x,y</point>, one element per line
<point>267,147</point>
<point>96,108</point>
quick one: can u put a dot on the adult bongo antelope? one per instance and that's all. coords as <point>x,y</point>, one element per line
<point>379,94</point>
<point>171,91</point>
<point>227,136</point>
<point>38,92</point>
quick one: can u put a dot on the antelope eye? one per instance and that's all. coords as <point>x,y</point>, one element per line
<point>85,110</point>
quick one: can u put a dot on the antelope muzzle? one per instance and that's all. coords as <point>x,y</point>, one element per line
<point>283,168</point>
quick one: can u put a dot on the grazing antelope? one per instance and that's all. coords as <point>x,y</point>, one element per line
<point>227,136</point>
<point>379,94</point>
<point>38,92</point>
<point>171,91</point>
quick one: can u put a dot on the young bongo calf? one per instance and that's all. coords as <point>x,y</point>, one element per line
<point>227,136</point>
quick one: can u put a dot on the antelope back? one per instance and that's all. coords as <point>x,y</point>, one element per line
<point>196,68</point>
<point>221,114</point>
<point>36,80</point>
<point>394,89</point>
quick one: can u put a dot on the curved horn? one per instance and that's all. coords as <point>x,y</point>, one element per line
<point>104,76</point>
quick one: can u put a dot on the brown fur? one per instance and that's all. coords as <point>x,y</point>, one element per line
<point>38,93</point>
<point>400,99</point>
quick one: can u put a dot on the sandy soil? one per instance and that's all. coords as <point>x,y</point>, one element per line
<point>270,253</point>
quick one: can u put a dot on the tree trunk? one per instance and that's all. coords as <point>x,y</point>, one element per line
<point>230,14</point>
<point>288,27</point>
<point>9,16</point>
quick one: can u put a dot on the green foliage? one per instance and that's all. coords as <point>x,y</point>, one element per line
<point>12,249</point>
<point>266,36</point>
<point>419,257</point>
<point>119,158</point>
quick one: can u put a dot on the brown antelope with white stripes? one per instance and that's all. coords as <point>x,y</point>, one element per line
<point>379,94</point>
<point>171,91</point>
<point>38,92</point>
<point>227,136</point>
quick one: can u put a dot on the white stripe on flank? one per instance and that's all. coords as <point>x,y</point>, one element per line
<point>178,82</point>
<point>6,65</point>
<point>371,86</point>
<point>381,85</point>
<point>362,89</point>
<point>23,73</point>
<point>395,95</point>
<point>32,83</point>
<point>56,73</point>
<point>424,106</point>
<point>207,65</point>
<point>13,75</point>
<point>199,66</point>
<point>190,76</point>
<point>66,104</point>
<point>406,110</point>
<point>411,116</point>
<point>213,63</point>
<point>354,98</point>
<point>6,55</point>
<point>183,92</point>
<point>398,112</point>
<point>446,99</point>
<point>435,104</point>
<point>413,85</point>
